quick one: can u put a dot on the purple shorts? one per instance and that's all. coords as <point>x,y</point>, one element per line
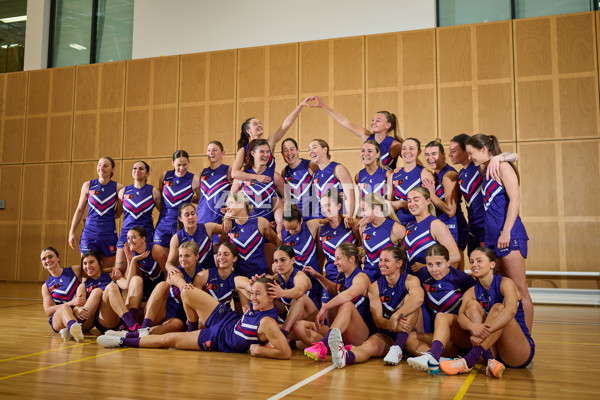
<point>106,245</point>
<point>514,244</point>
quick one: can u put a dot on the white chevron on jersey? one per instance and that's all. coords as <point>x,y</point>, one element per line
<point>467,189</point>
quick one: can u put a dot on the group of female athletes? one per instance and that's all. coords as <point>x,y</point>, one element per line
<point>243,258</point>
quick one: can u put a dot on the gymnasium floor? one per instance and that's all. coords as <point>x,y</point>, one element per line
<point>36,364</point>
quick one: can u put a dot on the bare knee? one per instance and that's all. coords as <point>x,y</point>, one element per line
<point>473,308</point>
<point>443,318</point>
<point>498,307</point>
<point>136,283</point>
<point>167,340</point>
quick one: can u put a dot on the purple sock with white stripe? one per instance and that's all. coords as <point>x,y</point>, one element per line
<point>70,323</point>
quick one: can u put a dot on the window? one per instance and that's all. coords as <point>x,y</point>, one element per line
<point>539,8</point>
<point>460,12</point>
<point>90,31</point>
<point>13,20</point>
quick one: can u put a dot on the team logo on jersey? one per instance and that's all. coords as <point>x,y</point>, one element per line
<point>207,345</point>
<point>340,288</point>
<point>53,288</point>
<point>366,236</point>
<point>94,192</point>
<point>398,182</point>
<point>429,288</point>
<point>288,178</point>
<point>205,177</point>
<point>128,196</point>
<point>484,304</point>
<point>233,235</point>
<point>167,183</point>
<point>211,286</point>
<point>408,232</point>
<point>317,180</point>
<point>325,238</point>
<point>111,248</point>
<point>385,299</point>
<point>462,181</point>
<point>292,244</point>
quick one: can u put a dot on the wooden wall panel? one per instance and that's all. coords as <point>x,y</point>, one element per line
<point>476,80</point>
<point>44,217</point>
<point>581,177</point>
<point>401,78</point>
<point>540,194</point>
<point>334,70</point>
<point>267,79</point>
<point>13,102</point>
<point>48,133</point>
<point>581,238</point>
<point>557,77</point>
<point>151,107</point>
<point>10,187</point>
<point>207,101</point>
<point>98,117</point>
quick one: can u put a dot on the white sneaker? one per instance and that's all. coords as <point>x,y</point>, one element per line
<point>336,345</point>
<point>421,362</point>
<point>65,334</point>
<point>143,332</point>
<point>76,331</point>
<point>116,333</point>
<point>108,341</point>
<point>394,356</point>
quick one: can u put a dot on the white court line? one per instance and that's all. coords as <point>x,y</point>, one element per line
<point>302,383</point>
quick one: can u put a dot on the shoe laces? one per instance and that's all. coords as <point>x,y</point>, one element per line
<point>459,363</point>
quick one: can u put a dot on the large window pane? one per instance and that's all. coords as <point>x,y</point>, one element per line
<point>539,8</point>
<point>72,33</point>
<point>460,12</point>
<point>13,19</point>
<point>115,30</point>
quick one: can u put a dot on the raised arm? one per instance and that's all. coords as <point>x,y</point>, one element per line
<point>301,286</point>
<point>442,235</point>
<point>493,168</point>
<point>287,123</point>
<point>343,120</point>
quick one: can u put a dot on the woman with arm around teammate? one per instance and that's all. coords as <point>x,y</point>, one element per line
<point>382,124</point>
<point>444,287</point>
<point>408,177</point>
<point>394,299</point>
<point>62,299</point>
<point>331,175</point>
<point>224,330</point>
<point>177,186</point>
<point>504,231</point>
<point>425,231</point>
<point>138,201</point>
<point>100,230</point>
<point>492,312</point>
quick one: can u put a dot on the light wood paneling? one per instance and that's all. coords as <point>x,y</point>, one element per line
<point>48,134</point>
<point>557,77</point>
<point>582,239</point>
<point>10,187</point>
<point>475,73</point>
<point>400,78</point>
<point>267,79</point>
<point>151,107</point>
<point>207,101</point>
<point>540,194</point>
<point>13,102</point>
<point>98,120</point>
<point>44,215</point>
<point>543,246</point>
<point>334,70</point>
<point>581,177</point>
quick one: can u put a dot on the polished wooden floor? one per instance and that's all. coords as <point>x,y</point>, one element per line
<point>36,364</point>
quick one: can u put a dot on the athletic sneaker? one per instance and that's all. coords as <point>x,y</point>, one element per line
<point>453,367</point>
<point>494,368</point>
<point>109,341</point>
<point>338,350</point>
<point>394,356</point>
<point>317,351</point>
<point>421,362</point>
<point>76,331</point>
<point>65,334</point>
<point>120,334</point>
<point>433,367</point>
<point>143,332</point>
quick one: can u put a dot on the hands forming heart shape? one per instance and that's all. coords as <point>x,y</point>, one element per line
<point>313,102</point>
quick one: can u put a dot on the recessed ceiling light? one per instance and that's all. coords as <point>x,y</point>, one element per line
<point>14,19</point>
<point>77,46</point>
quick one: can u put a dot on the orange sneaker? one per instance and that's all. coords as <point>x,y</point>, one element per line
<point>453,367</point>
<point>494,368</point>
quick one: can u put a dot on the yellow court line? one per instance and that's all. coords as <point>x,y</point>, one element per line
<point>43,352</point>
<point>586,344</point>
<point>61,364</point>
<point>467,383</point>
